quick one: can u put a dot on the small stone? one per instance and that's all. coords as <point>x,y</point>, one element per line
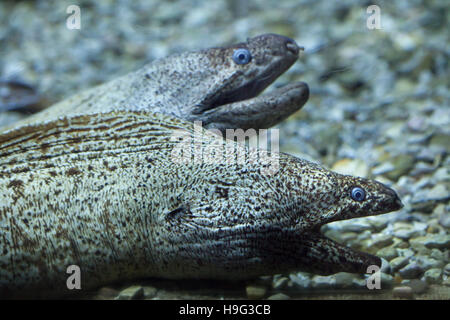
<point>353,167</point>
<point>344,279</point>
<point>106,293</point>
<point>403,293</point>
<point>406,231</point>
<point>433,276</point>
<point>256,292</point>
<point>280,283</point>
<point>439,241</point>
<point>387,281</point>
<point>279,296</point>
<point>149,292</point>
<point>131,293</point>
<point>300,280</point>
<point>380,241</point>
<point>398,263</point>
<point>417,286</point>
<point>437,254</point>
<point>411,271</point>
<point>323,282</point>
<point>427,262</point>
<point>383,168</point>
<point>388,253</point>
<point>402,163</point>
<point>385,266</point>
<point>447,269</point>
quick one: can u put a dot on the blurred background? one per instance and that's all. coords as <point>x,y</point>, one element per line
<point>379,108</point>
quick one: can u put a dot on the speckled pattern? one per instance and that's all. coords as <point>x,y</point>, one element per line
<point>104,192</point>
<point>205,85</point>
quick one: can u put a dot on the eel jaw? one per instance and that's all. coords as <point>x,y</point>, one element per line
<point>324,256</point>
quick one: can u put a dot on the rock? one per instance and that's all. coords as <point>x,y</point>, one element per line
<point>385,266</point>
<point>398,263</point>
<point>380,241</point>
<point>279,296</point>
<point>383,168</point>
<point>439,241</point>
<point>300,280</point>
<point>403,293</point>
<point>437,254</point>
<point>447,269</point>
<point>422,198</point>
<point>106,293</point>
<point>444,217</point>
<point>131,293</point>
<point>427,262</point>
<point>402,163</point>
<point>344,280</point>
<point>149,292</point>
<point>280,283</point>
<point>323,282</point>
<point>256,291</point>
<point>388,253</point>
<point>433,276</point>
<point>417,286</point>
<point>411,271</point>
<point>387,281</point>
<point>406,231</point>
<point>353,167</point>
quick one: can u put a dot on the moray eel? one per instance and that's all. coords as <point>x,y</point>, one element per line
<point>218,86</point>
<point>108,192</point>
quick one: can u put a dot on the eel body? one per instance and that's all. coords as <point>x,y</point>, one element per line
<point>110,193</point>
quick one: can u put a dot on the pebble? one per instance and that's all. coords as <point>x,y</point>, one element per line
<point>149,292</point>
<point>106,293</point>
<point>256,291</point>
<point>323,282</point>
<point>417,286</point>
<point>344,280</point>
<point>402,163</point>
<point>447,269</point>
<point>439,241</point>
<point>433,276</point>
<point>380,241</point>
<point>280,283</point>
<point>403,292</point>
<point>355,167</point>
<point>300,280</point>
<point>387,281</point>
<point>279,296</point>
<point>131,293</point>
<point>406,231</point>
<point>398,263</point>
<point>411,271</point>
<point>427,262</point>
<point>387,253</point>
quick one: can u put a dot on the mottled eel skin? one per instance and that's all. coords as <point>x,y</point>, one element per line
<point>211,85</point>
<point>102,192</point>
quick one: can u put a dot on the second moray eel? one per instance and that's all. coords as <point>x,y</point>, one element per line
<point>218,86</point>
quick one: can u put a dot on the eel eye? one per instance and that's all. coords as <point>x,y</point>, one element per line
<point>242,56</point>
<point>358,194</point>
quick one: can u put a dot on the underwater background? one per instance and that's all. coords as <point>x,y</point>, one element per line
<point>379,108</point>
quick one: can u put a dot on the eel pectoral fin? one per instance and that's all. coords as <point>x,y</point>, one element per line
<point>324,256</point>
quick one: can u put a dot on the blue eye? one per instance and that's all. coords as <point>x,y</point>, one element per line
<point>358,194</point>
<point>242,56</point>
